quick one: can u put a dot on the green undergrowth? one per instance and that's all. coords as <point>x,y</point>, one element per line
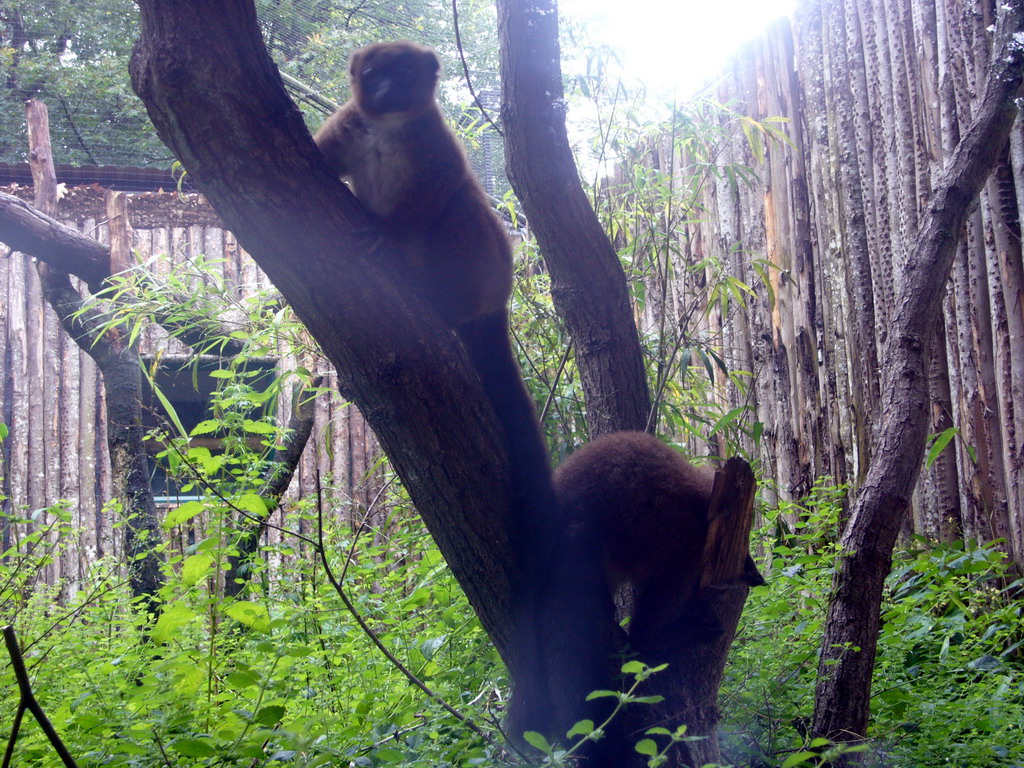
<point>284,676</point>
<point>948,686</point>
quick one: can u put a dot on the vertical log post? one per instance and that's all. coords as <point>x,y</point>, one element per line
<point>118,361</point>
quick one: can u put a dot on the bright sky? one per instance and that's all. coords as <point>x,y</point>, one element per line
<point>675,45</point>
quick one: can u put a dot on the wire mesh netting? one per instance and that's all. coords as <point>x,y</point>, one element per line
<point>74,54</point>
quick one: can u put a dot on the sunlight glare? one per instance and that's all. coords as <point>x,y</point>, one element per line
<point>674,47</point>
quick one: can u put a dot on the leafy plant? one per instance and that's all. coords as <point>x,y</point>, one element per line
<point>948,686</point>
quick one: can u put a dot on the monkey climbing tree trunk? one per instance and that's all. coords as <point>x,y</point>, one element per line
<point>851,631</point>
<point>216,99</point>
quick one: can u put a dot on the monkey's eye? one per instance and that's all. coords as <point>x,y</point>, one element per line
<point>366,71</point>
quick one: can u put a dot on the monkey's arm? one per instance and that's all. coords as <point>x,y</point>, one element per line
<point>339,138</point>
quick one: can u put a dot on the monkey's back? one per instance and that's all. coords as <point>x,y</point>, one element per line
<point>647,505</point>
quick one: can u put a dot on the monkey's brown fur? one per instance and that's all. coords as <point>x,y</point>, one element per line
<point>391,142</point>
<point>647,508</point>
<point>632,511</point>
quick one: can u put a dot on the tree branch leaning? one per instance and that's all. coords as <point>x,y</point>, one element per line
<point>843,692</point>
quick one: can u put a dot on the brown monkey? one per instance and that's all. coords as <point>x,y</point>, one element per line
<point>635,512</point>
<point>646,508</point>
<point>391,142</point>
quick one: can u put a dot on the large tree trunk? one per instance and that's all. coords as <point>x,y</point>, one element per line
<point>216,99</point>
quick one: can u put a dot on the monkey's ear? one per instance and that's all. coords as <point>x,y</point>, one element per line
<point>431,63</point>
<point>354,63</point>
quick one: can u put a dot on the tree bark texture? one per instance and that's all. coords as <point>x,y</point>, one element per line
<point>590,294</point>
<point>588,284</point>
<point>690,684</point>
<point>216,99</point>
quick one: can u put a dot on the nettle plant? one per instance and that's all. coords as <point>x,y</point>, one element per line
<point>949,685</point>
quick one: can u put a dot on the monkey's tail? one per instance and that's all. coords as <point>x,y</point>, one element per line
<point>561,642</point>
<point>487,343</point>
<point>562,646</point>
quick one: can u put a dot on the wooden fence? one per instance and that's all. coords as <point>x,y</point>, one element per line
<point>876,93</point>
<point>51,393</point>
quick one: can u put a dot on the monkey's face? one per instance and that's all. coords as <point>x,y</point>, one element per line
<point>390,78</point>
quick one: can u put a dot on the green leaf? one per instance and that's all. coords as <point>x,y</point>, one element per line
<point>751,131</point>
<point>582,728</point>
<point>173,618</point>
<point>4,432</point>
<point>252,503</point>
<point>537,741</point>
<point>684,363</point>
<point>728,418</point>
<point>183,513</point>
<point>195,568</point>
<point>647,699</point>
<point>388,755</point>
<point>973,453</point>
<point>205,427</point>
<point>209,544</point>
<point>798,758</point>
<point>258,427</point>
<point>647,747</point>
<point>270,716</point>
<point>253,615</point>
<point>193,748</point>
<point>242,679</point>
<point>168,408</point>
<point>222,373</point>
<point>939,444</point>
<point>431,645</point>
